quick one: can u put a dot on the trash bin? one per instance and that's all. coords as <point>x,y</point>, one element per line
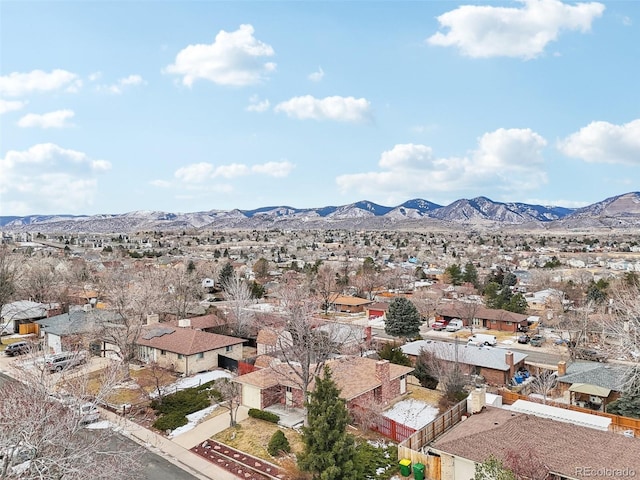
<point>418,471</point>
<point>405,467</point>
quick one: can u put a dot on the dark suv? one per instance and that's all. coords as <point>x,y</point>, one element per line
<point>589,354</point>
<point>17,348</point>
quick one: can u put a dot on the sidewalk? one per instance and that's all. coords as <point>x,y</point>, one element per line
<point>172,451</point>
<point>205,430</point>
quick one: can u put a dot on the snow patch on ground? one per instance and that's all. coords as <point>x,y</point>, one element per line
<point>193,381</point>
<point>412,413</point>
<point>101,425</point>
<point>194,419</point>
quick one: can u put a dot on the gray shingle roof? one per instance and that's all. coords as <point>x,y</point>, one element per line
<point>487,357</point>
<point>77,322</point>
<point>607,376</point>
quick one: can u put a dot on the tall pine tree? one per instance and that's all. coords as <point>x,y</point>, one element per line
<point>402,318</point>
<point>329,451</point>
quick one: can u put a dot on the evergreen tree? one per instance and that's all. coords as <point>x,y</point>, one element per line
<point>470,274</point>
<point>329,451</point>
<point>425,370</point>
<point>403,318</point>
<point>278,444</point>
<point>225,274</point>
<point>394,354</point>
<point>454,272</point>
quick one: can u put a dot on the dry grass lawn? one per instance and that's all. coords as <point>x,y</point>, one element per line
<point>416,392</point>
<point>252,436</point>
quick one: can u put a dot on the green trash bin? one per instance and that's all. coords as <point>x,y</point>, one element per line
<point>405,467</point>
<point>418,471</point>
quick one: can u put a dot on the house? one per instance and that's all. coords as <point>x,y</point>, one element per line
<point>591,384</point>
<point>208,323</point>
<point>377,310</point>
<point>19,317</point>
<point>347,304</point>
<point>568,451</point>
<point>360,380</point>
<point>481,316</point>
<point>271,340</point>
<point>78,329</point>
<point>184,349</point>
<point>496,365</point>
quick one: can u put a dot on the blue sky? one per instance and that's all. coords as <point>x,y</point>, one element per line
<point>111,107</point>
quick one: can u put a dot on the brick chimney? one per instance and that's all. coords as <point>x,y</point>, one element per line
<point>508,357</point>
<point>562,368</point>
<point>383,374</point>
<point>367,334</point>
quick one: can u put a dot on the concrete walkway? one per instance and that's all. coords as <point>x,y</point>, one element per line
<point>205,430</point>
<point>177,454</point>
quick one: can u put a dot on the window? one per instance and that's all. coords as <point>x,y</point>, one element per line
<point>509,323</point>
<point>229,348</point>
<point>200,356</point>
<point>163,352</point>
<point>289,390</point>
<point>179,356</point>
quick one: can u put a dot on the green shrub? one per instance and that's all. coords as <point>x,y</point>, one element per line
<point>262,415</point>
<point>170,421</point>
<point>278,444</point>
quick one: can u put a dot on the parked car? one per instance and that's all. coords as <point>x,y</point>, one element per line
<point>590,354</point>
<point>481,339</point>
<point>438,326</point>
<point>536,341</point>
<point>17,348</point>
<point>524,338</point>
<point>64,360</point>
<point>454,325</point>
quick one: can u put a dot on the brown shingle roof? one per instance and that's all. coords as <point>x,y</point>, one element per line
<point>204,321</point>
<point>563,448</point>
<point>461,310</point>
<point>352,375</point>
<point>185,341</point>
<point>350,301</point>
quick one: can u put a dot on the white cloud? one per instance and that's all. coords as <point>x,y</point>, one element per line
<point>201,173</point>
<point>47,177</point>
<point>37,81</point>
<point>506,159</point>
<point>233,170</point>
<point>194,173</point>
<point>274,169</point>
<point>257,105</point>
<point>604,142</point>
<point>10,105</point>
<point>118,87</point>
<point>341,109</point>
<point>95,76</point>
<point>234,58</point>
<point>57,119</point>
<point>316,76</point>
<point>486,31</point>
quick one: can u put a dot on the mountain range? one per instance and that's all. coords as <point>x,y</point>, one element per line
<point>622,211</point>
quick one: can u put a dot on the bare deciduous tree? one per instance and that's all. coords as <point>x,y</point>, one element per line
<point>324,285</point>
<point>544,384</point>
<point>238,295</point>
<point>228,394</point>
<point>44,436</point>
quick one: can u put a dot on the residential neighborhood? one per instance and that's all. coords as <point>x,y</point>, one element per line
<point>272,326</point>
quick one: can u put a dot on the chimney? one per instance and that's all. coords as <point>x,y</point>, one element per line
<point>383,374</point>
<point>477,400</point>
<point>367,334</point>
<point>509,360</point>
<point>153,318</point>
<point>562,368</point>
<point>184,323</point>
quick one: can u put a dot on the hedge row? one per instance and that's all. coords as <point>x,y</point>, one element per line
<point>262,415</point>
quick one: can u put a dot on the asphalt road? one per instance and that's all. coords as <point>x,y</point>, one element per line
<point>154,467</point>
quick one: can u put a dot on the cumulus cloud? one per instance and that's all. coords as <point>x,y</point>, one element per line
<point>37,81</point>
<point>604,142</point>
<point>10,105</point>
<point>316,76</point>
<point>234,58</point>
<point>341,109</point>
<point>47,177</point>
<point>506,159</point>
<point>57,119</point>
<point>203,172</point>
<point>257,105</point>
<point>123,83</point>
<point>486,31</point>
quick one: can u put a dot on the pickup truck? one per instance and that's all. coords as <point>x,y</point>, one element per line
<point>536,341</point>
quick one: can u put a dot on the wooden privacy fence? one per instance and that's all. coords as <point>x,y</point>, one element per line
<point>412,447</point>
<point>618,423</point>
